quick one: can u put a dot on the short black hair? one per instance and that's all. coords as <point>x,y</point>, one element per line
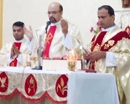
<point>109,8</point>
<point>19,23</point>
<point>61,8</point>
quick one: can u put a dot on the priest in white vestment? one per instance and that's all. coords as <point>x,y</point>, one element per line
<point>17,53</point>
<point>58,35</point>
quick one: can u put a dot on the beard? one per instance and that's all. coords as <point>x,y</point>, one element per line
<point>52,20</point>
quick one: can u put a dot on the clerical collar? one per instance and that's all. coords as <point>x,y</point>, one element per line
<point>57,23</point>
<point>19,41</point>
<point>109,28</point>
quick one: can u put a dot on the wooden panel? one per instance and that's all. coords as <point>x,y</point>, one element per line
<point>126,3</point>
<point>1,21</point>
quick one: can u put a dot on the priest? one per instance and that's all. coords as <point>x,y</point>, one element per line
<point>110,52</point>
<point>58,35</point>
<point>18,52</point>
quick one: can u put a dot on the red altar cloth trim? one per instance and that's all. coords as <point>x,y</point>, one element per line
<point>42,97</point>
<point>9,95</point>
<point>22,94</point>
<point>16,91</point>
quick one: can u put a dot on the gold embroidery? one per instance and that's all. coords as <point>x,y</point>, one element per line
<point>50,36</point>
<point>62,87</point>
<point>106,46</point>
<point>97,47</point>
<point>2,80</point>
<point>111,42</point>
<point>31,81</point>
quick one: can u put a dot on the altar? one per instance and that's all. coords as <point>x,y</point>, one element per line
<point>27,86</point>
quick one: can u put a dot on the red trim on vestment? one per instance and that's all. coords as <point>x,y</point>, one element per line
<point>14,62</point>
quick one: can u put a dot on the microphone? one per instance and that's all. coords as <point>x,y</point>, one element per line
<point>47,24</point>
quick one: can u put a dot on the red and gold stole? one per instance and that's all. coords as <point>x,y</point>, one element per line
<point>96,43</point>
<point>14,62</point>
<point>48,41</point>
<point>107,45</point>
<point>113,41</point>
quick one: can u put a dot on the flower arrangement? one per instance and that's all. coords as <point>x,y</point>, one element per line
<point>97,30</point>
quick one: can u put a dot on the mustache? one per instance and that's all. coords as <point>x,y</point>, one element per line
<point>52,19</point>
<point>100,24</point>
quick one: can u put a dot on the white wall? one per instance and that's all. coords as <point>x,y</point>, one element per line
<point>83,13</point>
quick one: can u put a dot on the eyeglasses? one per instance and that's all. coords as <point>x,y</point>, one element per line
<point>53,12</point>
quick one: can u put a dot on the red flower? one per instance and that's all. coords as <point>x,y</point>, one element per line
<point>98,24</point>
<point>100,28</point>
<point>97,30</point>
<point>91,30</point>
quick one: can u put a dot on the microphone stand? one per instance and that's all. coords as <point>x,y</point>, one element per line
<point>40,49</point>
